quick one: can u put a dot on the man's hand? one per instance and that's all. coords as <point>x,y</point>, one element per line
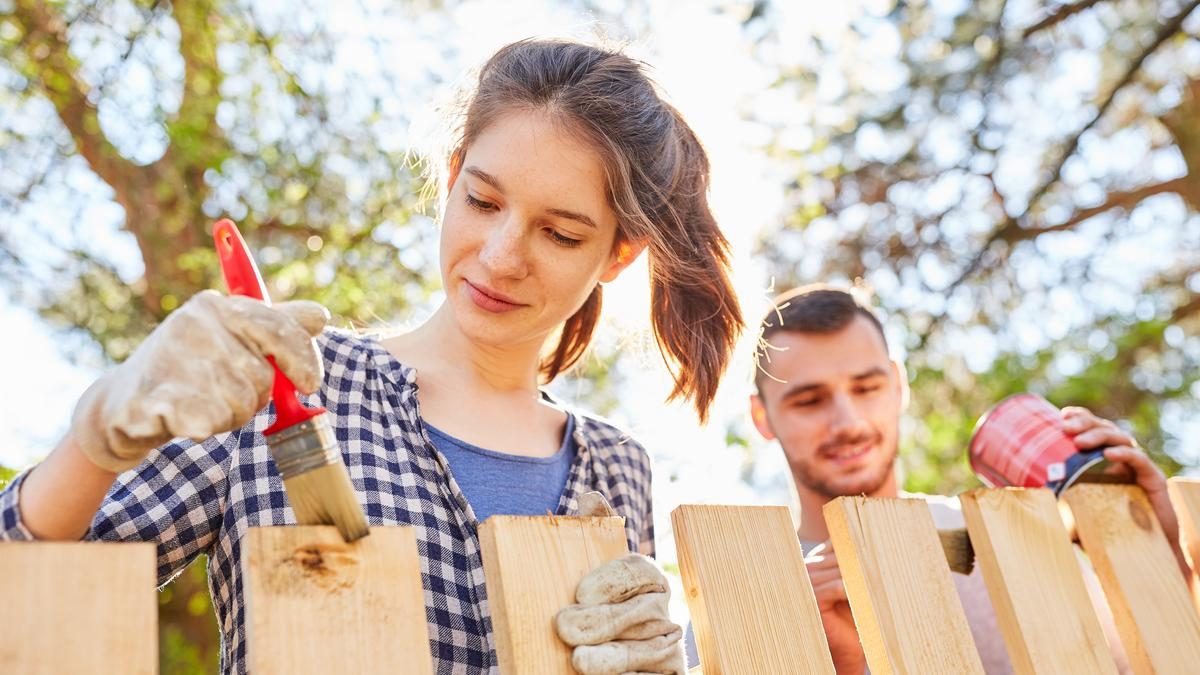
<point>621,623</point>
<point>1090,432</point>
<point>826,577</point>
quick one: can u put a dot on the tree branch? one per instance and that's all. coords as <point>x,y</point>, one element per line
<point>1168,29</point>
<point>132,41</point>
<point>201,87</point>
<point>1186,309</point>
<point>1116,200</point>
<point>1011,228</point>
<point>13,268</point>
<point>1060,14</point>
<point>57,77</point>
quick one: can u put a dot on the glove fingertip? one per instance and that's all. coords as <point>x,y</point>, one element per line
<point>312,316</point>
<point>311,379</point>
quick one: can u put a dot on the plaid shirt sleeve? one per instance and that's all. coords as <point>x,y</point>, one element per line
<point>631,469</point>
<point>175,499</point>
<point>646,538</point>
<point>620,469</point>
<point>12,528</point>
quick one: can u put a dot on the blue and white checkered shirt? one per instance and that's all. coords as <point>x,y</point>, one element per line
<point>193,498</point>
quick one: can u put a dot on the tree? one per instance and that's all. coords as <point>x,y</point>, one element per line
<point>184,112</point>
<point>1022,191</point>
<point>189,111</point>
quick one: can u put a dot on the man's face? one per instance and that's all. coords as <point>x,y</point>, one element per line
<point>833,400</point>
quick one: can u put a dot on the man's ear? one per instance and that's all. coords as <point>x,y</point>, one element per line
<point>624,255</point>
<point>758,413</point>
<point>902,382</point>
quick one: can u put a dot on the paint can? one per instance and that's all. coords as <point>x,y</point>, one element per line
<point>1020,442</point>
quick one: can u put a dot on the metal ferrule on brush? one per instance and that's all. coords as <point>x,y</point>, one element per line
<point>303,447</point>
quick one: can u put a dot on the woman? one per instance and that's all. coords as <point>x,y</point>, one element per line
<point>566,165</point>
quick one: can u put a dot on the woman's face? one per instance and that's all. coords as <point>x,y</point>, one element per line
<point>527,232</point>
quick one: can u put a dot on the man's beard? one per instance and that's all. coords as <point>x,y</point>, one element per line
<point>863,486</point>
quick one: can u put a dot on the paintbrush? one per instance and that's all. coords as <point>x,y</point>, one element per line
<point>301,441</point>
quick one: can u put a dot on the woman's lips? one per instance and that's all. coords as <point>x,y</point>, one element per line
<point>491,301</point>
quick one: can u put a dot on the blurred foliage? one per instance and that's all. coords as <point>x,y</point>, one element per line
<point>1019,183</point>
<point>245,121</point>
<point>186,639</point>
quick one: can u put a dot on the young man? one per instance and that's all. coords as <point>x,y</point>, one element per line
<point>832,396</point>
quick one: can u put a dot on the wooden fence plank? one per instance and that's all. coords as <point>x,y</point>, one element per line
<point>1159,627</point>
<point>532,565</point>
<point>316,604</point>
<point>1035,583</point>
<point>751,601</point>
<point>78,608</point>
<point>907,611</point>
<point>1185,497</point>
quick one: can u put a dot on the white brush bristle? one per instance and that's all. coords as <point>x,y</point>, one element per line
<point>324,496</point>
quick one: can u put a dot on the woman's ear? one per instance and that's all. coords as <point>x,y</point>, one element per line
<point>624,255</point>
<point>452,169</point>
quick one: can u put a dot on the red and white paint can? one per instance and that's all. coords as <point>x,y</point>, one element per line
<point>1020,442</point>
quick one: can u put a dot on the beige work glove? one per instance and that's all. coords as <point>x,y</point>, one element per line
<point>621,624</point>
<point>203,371</point>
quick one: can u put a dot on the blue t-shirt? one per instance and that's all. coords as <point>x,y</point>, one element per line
<point>497,482</point>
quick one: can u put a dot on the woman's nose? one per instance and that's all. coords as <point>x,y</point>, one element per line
<point>503,253</point>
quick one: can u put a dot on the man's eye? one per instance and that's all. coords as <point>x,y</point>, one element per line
<point>479,204</point>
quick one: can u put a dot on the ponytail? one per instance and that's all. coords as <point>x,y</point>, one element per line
<point>694,310</point>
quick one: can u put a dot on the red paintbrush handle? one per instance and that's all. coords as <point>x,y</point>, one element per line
<point>242,278</point>
<point>241,274</point>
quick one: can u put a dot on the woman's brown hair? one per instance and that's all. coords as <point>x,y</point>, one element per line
<point>657,175</point>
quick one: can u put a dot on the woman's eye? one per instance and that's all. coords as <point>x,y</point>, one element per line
<point>564,241</point>
<point>479,204</point>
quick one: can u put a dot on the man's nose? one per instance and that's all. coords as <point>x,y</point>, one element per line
<point>845,417</point>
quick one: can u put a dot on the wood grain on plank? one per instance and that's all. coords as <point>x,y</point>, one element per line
<point>1035,583</point>
<point>905,606</point>
<point>1185,497</point>
<point>532,565</point>
<point>751,602</point>
<point>75,607</point>
<point>316,604</point>
<point>1148,595</point>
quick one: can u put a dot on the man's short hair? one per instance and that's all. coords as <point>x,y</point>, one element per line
<point>817,308</point>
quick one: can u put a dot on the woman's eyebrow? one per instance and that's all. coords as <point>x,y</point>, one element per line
<point>561,213</point>
<point>484,176</point>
